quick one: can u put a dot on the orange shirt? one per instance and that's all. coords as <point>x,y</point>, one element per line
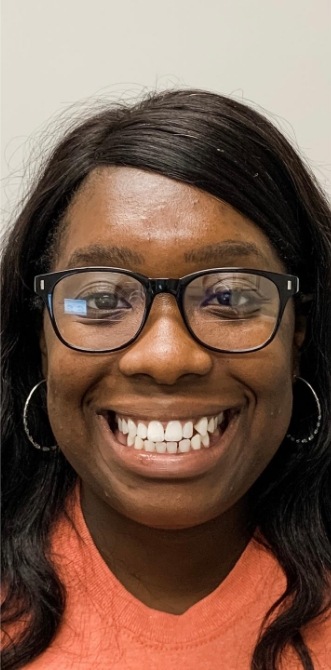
<point>106,628</point>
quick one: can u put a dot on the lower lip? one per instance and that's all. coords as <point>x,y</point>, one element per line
<point>165,466</point>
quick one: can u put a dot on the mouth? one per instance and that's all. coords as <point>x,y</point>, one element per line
<point>169,437</point>
<point>177,448</point>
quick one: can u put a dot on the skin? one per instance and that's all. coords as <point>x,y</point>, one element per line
<point>145,527</point>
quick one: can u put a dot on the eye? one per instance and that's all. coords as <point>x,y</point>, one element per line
<point>233,298</point>
<point>237,302</point>
<point>105,301</point>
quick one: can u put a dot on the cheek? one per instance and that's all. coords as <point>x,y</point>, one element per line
<point>69,373</point>
<point>64,393</point>
<point>270,371</point>
<point>268,390</point>
<point>71,377</point>
<point>268,378</point>
<point>69,383</point>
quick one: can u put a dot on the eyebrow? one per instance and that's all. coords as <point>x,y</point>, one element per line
<point>224,251</point>
<point>97,254</point>
<point>218,254</point>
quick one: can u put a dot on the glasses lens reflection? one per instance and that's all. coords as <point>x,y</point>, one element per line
<point>98,310</point>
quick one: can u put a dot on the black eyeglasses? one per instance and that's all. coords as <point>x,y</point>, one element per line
<point>102,309</point>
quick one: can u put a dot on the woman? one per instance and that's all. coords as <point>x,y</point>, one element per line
<point>166,295</point>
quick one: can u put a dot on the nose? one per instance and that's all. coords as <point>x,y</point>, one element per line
<point>165,350</point>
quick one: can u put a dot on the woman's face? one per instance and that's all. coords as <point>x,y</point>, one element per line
<point>158,227</point>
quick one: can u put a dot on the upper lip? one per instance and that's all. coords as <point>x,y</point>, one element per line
<point>179,413</point>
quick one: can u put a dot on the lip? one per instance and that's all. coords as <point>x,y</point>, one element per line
<point>168,411</point>
<point>165,466</point>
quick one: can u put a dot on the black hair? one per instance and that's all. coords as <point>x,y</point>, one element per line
<point>232,152</point>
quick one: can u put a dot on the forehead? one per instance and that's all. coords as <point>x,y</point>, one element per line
<point>143,221</point>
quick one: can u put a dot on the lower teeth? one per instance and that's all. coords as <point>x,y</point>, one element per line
<point>196,443</point>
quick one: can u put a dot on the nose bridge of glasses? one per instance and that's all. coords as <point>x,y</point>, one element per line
<point>164,286</point>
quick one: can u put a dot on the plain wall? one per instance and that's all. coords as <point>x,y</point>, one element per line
<point>276,53</point>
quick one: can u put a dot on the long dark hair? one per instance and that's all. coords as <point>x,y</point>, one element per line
<point>231,151</point>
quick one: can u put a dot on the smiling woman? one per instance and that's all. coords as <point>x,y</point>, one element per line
<point>167,374</point>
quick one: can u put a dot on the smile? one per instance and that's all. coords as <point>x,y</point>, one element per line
<point>126,441</point>
<point>172,436</point>
<point>169,437</point>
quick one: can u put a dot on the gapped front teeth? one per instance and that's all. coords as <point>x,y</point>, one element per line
<point>173,437</point>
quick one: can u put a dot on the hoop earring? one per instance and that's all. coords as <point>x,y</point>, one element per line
<point>25,421</point>
<point>314,432</point>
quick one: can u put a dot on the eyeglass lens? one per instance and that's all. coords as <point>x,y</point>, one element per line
<point>103,310</point>
<point>232,311</point>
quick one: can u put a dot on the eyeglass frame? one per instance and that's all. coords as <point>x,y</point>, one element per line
<point>286,284</point>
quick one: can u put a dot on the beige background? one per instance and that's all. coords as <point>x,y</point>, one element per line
<point>276,53</point>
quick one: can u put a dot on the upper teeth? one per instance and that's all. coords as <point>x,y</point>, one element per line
<point>172,431</point>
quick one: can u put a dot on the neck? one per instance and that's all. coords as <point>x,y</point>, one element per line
<point>168,570</point>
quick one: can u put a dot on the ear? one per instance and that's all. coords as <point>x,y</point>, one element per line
<point>298,340</point>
